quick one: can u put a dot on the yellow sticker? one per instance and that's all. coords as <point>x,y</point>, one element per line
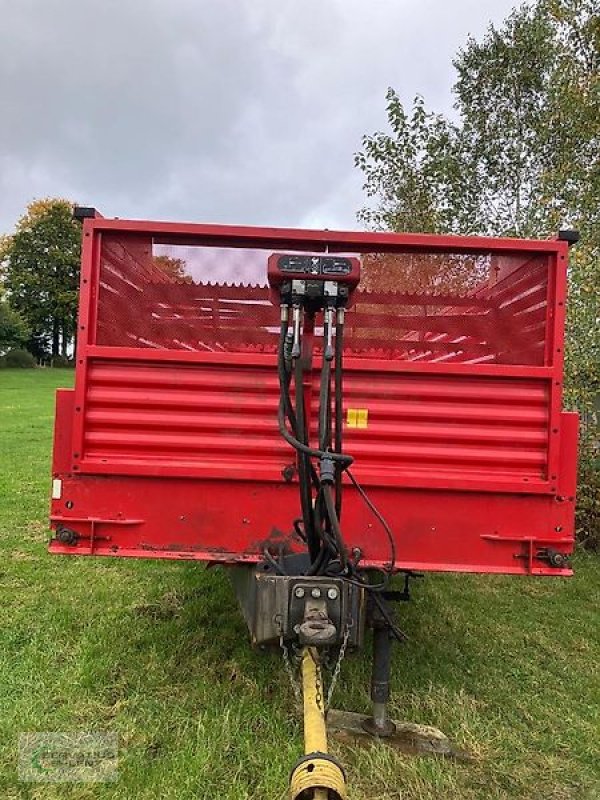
<point>357,417</point>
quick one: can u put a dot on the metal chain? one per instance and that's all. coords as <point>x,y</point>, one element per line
<point>295,684</point>
<point>318,684</point>
<point>338,666</point>
<point>287,663</point>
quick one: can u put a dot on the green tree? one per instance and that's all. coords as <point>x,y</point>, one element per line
<point>40,270</point>
<point>13,328</point>
<point>414,173</point>
<point>521,159</point>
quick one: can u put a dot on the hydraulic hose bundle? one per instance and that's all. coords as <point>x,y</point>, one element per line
<point>304,287</point>
<point>320,525</point>
<point>320,519</point>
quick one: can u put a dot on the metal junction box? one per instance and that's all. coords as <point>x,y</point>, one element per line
<point>276,605</point>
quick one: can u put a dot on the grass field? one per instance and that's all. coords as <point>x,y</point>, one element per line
<point>157,652</point>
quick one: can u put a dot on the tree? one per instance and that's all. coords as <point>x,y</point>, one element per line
<point>13,328</point>
<point>40,269</point>
<point>523,156</point>
<point>522,159</point>
<point>175,268</point>
<point>414,172</point>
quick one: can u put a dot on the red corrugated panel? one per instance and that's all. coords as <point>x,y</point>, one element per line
<point>220,417</point>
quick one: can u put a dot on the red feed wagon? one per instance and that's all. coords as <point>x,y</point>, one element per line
<point>221,369</point>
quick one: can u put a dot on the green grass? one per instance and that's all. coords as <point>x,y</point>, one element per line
<point>157,652</point>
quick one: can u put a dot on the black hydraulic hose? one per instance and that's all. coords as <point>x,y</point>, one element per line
<point>339,410</point>
<point>273,562</point>
<point>320,523</point>
<point>342,458</point>
<point>335,526</point>
<point>319,565</point>
<point>285,378</point>
<point>324,406</point>
<point>323,528</point>
<point>286,409</point>
<point>379,516</point>
<point>289,413</point>
<point>304,466</point>
<point>291,439</point>
<point>322,520</point>
<point>299,529</point>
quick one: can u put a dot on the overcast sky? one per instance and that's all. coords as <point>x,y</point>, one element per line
<point>242,111</point>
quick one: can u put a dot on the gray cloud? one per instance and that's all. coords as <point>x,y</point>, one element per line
<point>243,111</point>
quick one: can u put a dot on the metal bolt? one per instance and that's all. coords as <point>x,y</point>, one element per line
<point>299,591</point>
<point>316,592</point>
<point>332,593</point>
<point>288,473</point>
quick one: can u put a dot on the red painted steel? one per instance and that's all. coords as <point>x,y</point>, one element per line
<point>168,446</point>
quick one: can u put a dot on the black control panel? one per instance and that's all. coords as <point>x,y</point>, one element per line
<point>332,266</point>
<point>312,280</point>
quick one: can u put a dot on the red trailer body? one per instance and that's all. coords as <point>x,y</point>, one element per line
<point>168,446</point>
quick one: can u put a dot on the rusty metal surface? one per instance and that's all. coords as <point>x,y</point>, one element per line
<point>409,737</point>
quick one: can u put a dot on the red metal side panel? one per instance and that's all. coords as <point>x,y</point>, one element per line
<point>569,436</point>
<point>428,428</point>
<point>63,429</point>
<point>218,420</point>
<point>229,521</point>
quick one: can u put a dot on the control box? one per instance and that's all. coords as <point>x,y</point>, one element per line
<point>299,608</point>
<point>312,280</point>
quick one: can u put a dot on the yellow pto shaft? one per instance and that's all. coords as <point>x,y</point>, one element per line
<point>315,732</point>
<point>317,776</point>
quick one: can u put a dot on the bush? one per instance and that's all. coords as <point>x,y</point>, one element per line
<point>21,359</point>
<point>62,362</point>
<point>586,401</point>
<point>588,497</point>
